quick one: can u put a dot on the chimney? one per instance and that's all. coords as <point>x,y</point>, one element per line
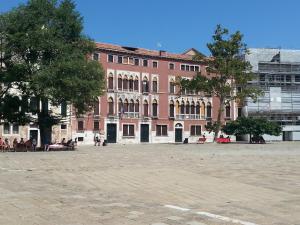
<point>162,53</point>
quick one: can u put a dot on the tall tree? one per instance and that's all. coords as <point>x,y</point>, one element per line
<point>255,127</point>
<point>45,58</point>
<point>229,73</point>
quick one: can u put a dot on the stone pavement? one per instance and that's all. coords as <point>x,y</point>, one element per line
<point>132,184</point>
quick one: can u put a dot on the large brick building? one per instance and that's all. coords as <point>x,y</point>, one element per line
<point>141,103</point>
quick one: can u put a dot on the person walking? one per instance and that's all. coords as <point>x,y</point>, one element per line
<point>34,143</point>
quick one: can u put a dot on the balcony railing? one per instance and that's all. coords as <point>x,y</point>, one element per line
<point>190,117</point>
<point>131,115</point>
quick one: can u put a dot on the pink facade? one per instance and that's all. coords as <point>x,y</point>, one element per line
<point>141,104</point>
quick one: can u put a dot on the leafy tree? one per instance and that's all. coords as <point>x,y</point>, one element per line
<point>229,73</point>
<point>45,56</point>
<point>252,126</point>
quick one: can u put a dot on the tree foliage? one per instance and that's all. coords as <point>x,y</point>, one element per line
<point>45,56</point>
<point>229,73</point>
<point>252,126</point>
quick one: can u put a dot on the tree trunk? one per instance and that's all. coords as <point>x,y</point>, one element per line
<point>218,123</point>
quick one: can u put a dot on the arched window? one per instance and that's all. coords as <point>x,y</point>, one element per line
<point>193,108</point>
<point>120,82</point>
<point>208,110</point>
<point>154,108</point>
<point>172,86</point>
<point>227,110</point>
<point>110,81</point>
<point>182,108</point>
<point>131,83</point>
<point>121,106</point>
<point>145,85</point>
<point>146,108</point>
<point>131,106</point>
<point>198,108</point>
<point>137,106</point>
<point>136,84</point>
<point>177,108</point>
<point>110,106</point>
<point>171,109</point>
<point>125,83</point>
<point>202,110</point>
<point>187,108</point>
<point>154,85</point>
<point>126,104</point>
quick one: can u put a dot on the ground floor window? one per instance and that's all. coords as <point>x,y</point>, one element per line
<point>161,130</point>
<point>128,130</point>
<point>96,125</point>
<point>195,130</point>
<point>15,128</point>
<point>80,125</point>
<point>6,128</point>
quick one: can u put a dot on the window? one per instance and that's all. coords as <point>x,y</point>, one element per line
<point>110,106</point>
<point>171,112</point>
<point>110,58</point>
<point>195,130</point>
<point>187,108</point>
<point>172,87</point>
<point>154,64</point>
<point>80,125</point>
<point>193,108</point>
<point>227,110</point>
<point>34,104</point>
<point>120,81</point>
<point>125,106</point>
<point>120,106</point>
<point>125,83</point>
<point>182,108</point>
<point>131,83</point>
<point>128,130</point>
<point>136,106</point>
<point>239,112</point>
<point>131,106</point>
<point>96,125</point>
<point>80,138</point>
<point>63,126</point>
<point>145,62</point>
<point>154,85</point>
<point>125,60</point>
<point>96,56</point>
<point>96,108</point>
<point>182,67</point>
<point>136,84</point>
<point>197,68</point>
<point>6,128</point>
<point>154,108</point>
<point>198,108</point>
<point>146,108</point>
<point>208,110</point>
<point>161,130</point>
<point>171,66</point>
<point>136,62</point>
<point>297,78</point>
<point>288,78</point>
<point>110,82</point>
<point>63,109</point>
<point>192,68</point>
<point>120,59</point>
<point>145,85</point>
<point>130,60</point>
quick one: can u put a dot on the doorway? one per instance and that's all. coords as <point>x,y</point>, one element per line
<point>144,132</point>
<point>178,133</point>
<point>111,133</point>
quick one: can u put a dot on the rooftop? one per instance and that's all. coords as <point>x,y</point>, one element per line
<point>187,55</point>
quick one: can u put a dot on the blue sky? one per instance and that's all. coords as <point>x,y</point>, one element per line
<point>176,25</point>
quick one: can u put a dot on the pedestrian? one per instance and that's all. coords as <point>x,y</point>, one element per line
<point>34,143</point>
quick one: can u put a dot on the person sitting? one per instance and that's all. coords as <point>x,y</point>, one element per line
<point>2,144</point>
<point>7,144</point>
<point>221,136</point>
<point>63,142</point>
<point>15,144</point>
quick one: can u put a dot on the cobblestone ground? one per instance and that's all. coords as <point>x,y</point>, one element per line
<point>210,184</point>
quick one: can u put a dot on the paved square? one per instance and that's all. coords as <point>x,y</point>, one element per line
<point>161,184</point>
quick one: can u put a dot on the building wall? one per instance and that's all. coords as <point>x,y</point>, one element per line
<point>163,97</point>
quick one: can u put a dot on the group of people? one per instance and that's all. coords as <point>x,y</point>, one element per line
<point>99,140</point>
<point>5,145</point>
